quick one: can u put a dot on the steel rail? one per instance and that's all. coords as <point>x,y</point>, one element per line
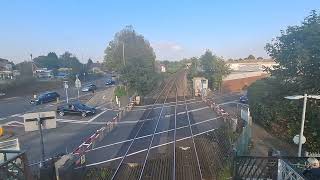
<point>136,135</point>
<point>192,135</point>
<point>174,136</point>
<point>155,130</point>
<point>143,150</point>
<point>160,132</point>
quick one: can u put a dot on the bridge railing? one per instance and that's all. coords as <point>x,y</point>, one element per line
<point>13,165</point>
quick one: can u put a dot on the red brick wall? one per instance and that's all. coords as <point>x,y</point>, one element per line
<point>236,85</point>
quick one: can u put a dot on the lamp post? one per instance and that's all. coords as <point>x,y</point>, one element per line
<point>305,97</point>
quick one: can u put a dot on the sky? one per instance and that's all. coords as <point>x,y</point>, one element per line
<point>176,29</point>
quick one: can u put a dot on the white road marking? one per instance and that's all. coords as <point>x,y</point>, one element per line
<point>15,115</point>
<point>143,150</point>
<point>160,132</point>
<point>194,110</point>
<point>95,117</point>
<point>143,109</point>
<point>11,123</point>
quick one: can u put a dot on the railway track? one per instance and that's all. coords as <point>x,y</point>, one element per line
<point>169,147</point>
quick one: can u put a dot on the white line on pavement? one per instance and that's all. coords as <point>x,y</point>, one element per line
<point>140,108</point>
<point>156,146</point>
<point>95,117</point>
<point>160,132</point>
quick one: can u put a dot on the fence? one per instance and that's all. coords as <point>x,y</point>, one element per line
<point>12,144</point>
<point>240,129</point>
<point>65,166</point>
<point>14,165</point>
<point>287,172</point>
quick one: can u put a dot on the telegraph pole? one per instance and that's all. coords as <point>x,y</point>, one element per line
<point>124,61</point>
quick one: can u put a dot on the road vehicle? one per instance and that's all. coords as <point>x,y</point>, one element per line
<point>244,99</point>
<point>45,98</point>
<point>76,108</point>
<point>90,87</point>
<point>110,82</point>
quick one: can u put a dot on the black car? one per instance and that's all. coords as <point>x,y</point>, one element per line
<point>76,108</point>
<point>45,98</point>
<point>110,82</point>
<point>90,87</point>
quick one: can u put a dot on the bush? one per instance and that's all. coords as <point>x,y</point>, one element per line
<point>120,91</point>
<point>282,117</point>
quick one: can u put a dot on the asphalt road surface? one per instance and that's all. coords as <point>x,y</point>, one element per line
<point>71,131</point>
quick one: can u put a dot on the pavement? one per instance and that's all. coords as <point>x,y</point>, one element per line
<point>70,132</point>
<point>262,141</point>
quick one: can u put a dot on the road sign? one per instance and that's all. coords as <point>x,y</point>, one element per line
<point>65,85</point>
<point>78,83</point>
<point>82,159</point>
<point>31,120</point>
<point>12,144</point>
<point>296,139</point>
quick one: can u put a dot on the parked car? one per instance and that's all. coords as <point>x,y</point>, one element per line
<point>76,108</point>
<point>45,98</point>
<point>90,87</point>
<point>244,99</point>
<point>110,82</point>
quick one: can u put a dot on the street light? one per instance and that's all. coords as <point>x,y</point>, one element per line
<point>305,97</point>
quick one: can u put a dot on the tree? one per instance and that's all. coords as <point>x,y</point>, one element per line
<point>260,58</point>
<point>297,51</point>
<point>126,46</point>
<point>214,69</point>
<point>50,61</point>
<point>250,57</point>
<point>89,63</point>
<point>67,60</point>
<point>131,55</point>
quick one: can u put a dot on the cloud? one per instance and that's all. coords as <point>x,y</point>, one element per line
<point>166,45</point>
<point>167,50</point>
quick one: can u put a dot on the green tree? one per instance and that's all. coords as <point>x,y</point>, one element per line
<point>214,69</point>
<point>131,55</point>
<point>297,51</point>
<point>50,61</point>
<point>67,60</point>
<point>251,57</point>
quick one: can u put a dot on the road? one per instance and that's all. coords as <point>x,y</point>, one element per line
<point>165,138</point>
<point>19,105</point>
<point>71,131</point>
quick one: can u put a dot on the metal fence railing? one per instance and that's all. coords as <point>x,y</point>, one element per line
<point>12,144</point>
<point>285,171</point>
<point>14,165</point>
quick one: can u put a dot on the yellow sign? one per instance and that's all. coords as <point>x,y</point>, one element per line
<point>1,130</point>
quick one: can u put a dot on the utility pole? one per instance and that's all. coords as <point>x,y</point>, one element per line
<point>32,65</point>
<point>124,61</point>
<point>41,139</point>
<point>305,97</point>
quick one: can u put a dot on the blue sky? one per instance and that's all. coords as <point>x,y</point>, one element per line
<point>176,29</point>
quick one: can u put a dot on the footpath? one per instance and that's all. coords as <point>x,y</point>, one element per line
<point>263,141</point>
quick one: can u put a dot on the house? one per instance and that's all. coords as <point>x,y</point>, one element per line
<point>162,68</point>
<point>95,68</point>
<point>6,72</point>
<point>43,73</point>
<point>200,86</point>
<point>244,74</point>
